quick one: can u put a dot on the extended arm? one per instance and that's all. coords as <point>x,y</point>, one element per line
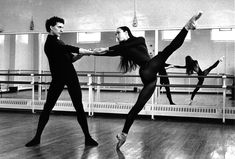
<point>72,49</point>
<point>177,66</point>
<point>117,50</point>
<point>167,66</point>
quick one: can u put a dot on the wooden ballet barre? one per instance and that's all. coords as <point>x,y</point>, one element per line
<point>186,85</point>
<point>37,74</point>
<point>171,76</point>
<point>98,75</point>
<point>183,73</point>
<point>48,83</point>
<point>16,82</point>
<point>187,76</point>
<point>15,74</point>
<point>115,84</point>
<point>157,85</point>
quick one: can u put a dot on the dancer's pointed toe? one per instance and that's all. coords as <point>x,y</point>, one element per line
<point>121,140</point>
<point>191,24</point>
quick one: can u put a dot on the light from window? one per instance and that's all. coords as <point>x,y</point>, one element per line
<point>23,38</point>
<point>88,37</point>
<point>223,34</point>
<point>171,34</point>
<point>43,38</point>
<point>138,33</point>
<point>2,38</point>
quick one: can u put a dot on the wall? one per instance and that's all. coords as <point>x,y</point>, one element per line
<point>108,14</point>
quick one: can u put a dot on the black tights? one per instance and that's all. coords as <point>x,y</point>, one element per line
<point>148,76</point>
<point>54,92</point>
<point>201,79</point>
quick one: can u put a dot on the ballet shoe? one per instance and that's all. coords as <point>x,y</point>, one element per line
<point>121,140</point>
<point>90,142</point>
<point>221,59</point>
<point>190,102</point>
<point>172,103</point>
<point>191,24</point>
<point>33,142</point>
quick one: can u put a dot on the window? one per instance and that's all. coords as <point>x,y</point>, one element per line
<point>138,33</point>
<point>43,38</point>
<point>171,34</point>
<point>223,34</point>
<point>23,38</point>
<point>93,37</point>
<point>2,38</point>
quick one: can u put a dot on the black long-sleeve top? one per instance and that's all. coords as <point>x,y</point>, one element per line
<point>59,56</point>
<point>134,48</point>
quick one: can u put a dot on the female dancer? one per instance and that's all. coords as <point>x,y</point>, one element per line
<point>133,52</point>
<point>193,66</point>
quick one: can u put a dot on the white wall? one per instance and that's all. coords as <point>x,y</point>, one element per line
<point>108,14</point>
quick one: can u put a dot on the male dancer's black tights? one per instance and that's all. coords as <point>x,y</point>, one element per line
<point>148,76</point>
<point>201,79</point>
<point>54,92</point>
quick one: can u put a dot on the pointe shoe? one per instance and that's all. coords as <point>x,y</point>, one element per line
<point>90,142</point>
<point>190,102</point>
<point>33,142</point>
<point>221,59</point>
<point>191,24</point>
<point>121,139</point>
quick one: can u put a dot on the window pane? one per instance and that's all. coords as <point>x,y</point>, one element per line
<point>138,33</point>
<point>2,37</point>
<point>223,34</point>
<point>24,38</point>
<point>88,37</point>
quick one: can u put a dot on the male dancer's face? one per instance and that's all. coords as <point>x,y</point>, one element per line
<point>57,29</point>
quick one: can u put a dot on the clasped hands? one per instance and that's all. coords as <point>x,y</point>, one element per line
<point>96,51</point>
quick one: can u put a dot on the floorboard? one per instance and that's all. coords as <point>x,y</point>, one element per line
<point>162,138</point>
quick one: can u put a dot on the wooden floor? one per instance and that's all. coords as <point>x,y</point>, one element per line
<point>162,138</point>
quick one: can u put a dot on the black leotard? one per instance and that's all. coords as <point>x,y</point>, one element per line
<point>136,50</point>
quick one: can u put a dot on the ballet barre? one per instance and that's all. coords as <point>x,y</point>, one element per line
<point>94,82</point>
<point>98,84</point>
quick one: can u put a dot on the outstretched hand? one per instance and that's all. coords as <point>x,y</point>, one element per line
<point>86,51</point>
<point>98,51</point>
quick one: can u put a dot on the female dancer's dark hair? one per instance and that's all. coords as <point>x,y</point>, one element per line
<point>133,51</point>
<point>190,64</point>
<point>126,64</point>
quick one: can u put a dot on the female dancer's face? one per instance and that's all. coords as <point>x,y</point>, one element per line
<point>196,67</point>
<point>57,29</point>
<point>121,35</point>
